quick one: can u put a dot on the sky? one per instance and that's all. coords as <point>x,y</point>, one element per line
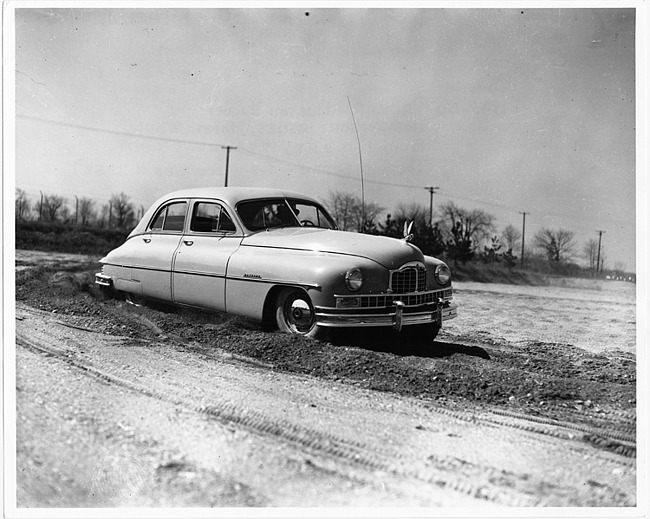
<point>508,110</point>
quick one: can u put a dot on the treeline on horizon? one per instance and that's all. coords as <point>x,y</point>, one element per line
<point>457,235</point>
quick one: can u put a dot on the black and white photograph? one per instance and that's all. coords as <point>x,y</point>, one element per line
<point>366,259</point>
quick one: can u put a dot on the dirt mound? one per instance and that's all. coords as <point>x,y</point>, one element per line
<point>535,376</point>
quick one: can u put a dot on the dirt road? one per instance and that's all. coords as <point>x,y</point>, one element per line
<point>153,407</point>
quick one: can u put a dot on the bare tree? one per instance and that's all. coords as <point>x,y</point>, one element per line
<point>427,237</point>
<point>103,219</point>
<point>510,237</point>
<point>619,269</point>
<point>122,211</point>
<point>416,213</point>
<point>85,211</point>
<point>558,245</point>
<point>23,205</point>
<point>348,211</point>
<point>65,214</point>
<point>476,224</point>
<point>53,207</point>
<point>465,229</point>
<point>590,253</point>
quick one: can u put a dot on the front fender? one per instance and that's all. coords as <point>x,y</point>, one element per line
<point>431,264</point>
<point>254,271</point>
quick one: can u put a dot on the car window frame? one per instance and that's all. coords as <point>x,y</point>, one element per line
<point>194,202</point>
<point>287,200</point>
<point>166,205</point>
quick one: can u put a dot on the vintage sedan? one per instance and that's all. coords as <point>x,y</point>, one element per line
<point>277,257</point>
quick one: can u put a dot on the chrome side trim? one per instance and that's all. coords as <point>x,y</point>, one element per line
<point>248,278</point>
<point>273,281</point>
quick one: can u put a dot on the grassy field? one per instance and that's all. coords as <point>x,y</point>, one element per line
<point>57,237</point>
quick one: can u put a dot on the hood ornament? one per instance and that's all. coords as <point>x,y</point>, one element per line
<point>407,232</point>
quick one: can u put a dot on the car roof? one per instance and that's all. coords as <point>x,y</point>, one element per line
<point>233,195</point>
<point>230,195</point>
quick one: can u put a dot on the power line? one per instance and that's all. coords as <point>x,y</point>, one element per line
<point>321,171</point>
<point>116,132</point>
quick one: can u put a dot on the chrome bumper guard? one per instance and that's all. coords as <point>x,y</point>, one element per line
<point>395,316</point>
<point>103,280</point>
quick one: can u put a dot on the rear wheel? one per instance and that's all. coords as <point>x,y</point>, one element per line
<point>133,299</point>
<point>295,314</point>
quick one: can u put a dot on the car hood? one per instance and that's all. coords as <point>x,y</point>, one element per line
<point>389,252</point>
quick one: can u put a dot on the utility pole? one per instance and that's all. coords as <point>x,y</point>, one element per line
<point>40,208</point>
<point>227,148</point>
<point>431,191</point>
<point>76,209</point>
<point>600,237</point>
<point>523,238</point>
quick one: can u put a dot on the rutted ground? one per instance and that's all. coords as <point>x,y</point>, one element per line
<point>149,406</point>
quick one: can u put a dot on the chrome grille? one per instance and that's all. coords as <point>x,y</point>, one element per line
<point>409,279</point>
<point>387,300</point>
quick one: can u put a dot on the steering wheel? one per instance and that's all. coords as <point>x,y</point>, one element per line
<point>307,223</point>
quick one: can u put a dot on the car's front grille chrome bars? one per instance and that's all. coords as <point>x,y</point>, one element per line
<point>388,300</point>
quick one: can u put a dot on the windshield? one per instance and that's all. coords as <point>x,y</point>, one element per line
<point>269,213</point>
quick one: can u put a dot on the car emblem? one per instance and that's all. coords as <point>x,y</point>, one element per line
<point>407,232</point>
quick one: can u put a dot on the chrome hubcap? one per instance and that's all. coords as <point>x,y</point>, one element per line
<point>300,315</point>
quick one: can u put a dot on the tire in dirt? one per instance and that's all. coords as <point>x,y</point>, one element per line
<point>295,314</point>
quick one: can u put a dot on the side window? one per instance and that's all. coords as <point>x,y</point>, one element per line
<point>211,217</point>
<point>225,222</point>
<point>170,218</point>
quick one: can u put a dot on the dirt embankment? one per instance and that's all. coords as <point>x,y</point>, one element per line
<point>195,366</point>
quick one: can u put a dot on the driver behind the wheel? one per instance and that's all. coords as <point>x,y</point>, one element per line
<point>285,215</point>
<point>267,216</point>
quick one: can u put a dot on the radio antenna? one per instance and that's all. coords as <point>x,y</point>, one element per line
<point>363,198</point>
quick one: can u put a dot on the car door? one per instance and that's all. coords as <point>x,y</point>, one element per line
<point>199,272</point>
<point>152,264</point>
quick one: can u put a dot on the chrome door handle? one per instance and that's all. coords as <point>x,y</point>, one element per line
<point>146,240</point>
<point>188,242</point>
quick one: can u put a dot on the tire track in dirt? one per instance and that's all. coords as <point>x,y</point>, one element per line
<point>618,436</point>
<point>603,431</point>
<point>356,454</point>
<point>615,436</point>
<point>486,483</point>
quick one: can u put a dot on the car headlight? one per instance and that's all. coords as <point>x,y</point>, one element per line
<point>354,279</point>
<point>443,274</point>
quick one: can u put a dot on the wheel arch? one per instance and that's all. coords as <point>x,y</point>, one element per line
<point>268,311</point>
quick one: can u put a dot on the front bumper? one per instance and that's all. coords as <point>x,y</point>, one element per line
<point>396,312</point>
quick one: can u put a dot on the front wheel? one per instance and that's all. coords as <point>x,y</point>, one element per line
<point>295,314</point>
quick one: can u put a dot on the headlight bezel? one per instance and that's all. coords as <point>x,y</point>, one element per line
<point>442,274</point>
<point>354,279</point>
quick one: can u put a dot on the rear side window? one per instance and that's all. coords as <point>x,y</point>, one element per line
<point>170,217</point>
<point>211,217</point>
